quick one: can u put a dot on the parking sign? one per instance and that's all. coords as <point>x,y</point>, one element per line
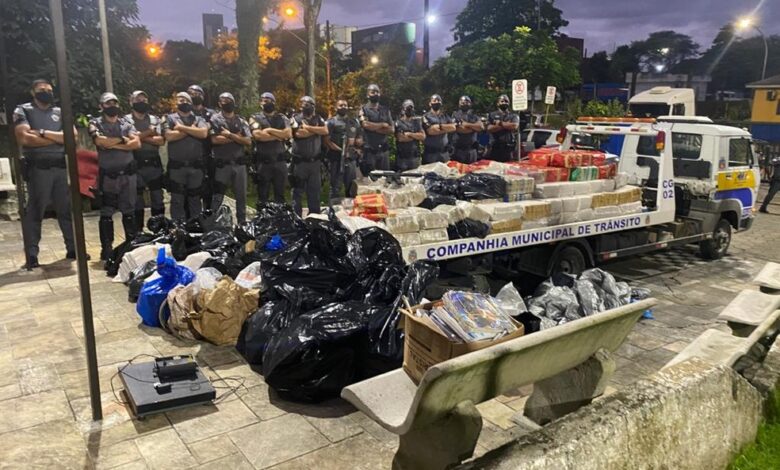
<point>519,95</point>
<point>549,98</point>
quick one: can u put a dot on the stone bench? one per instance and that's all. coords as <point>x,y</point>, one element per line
<point>748,310</point>
<point>438,422</point>
<point>768,279</point>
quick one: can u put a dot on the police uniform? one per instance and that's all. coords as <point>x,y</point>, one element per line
<point>436,146</point>
<point>229,163</point>
<point>504,142</point>
<point>208,164</point>
<point>408,153</point>
<point>376,152</point>
<point>185,167</point>
<point>270,157</point>
<point>774,185</point>
<point>306,165</point>
<point>116,181</point>
<point>343,166</point>
<point>465,144</point>
<point>46,176</point>
<point>149,172</point>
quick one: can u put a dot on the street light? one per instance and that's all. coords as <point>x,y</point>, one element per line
<point>153,51</point>
<point>374,60</point>
<point>431,19</point>
<point>745,23</point>
<point>664,50</point>
<point>289,11</point>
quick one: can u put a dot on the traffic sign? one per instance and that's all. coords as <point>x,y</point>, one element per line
<point>549,98</point>
<point>519,95</point>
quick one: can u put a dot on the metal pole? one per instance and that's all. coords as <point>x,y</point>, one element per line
<point>75,200</point>
<point>327,66</point>
<point>104,42</point>
<point>766,52</point>
<point>426,39</point>
<point>14,145</point>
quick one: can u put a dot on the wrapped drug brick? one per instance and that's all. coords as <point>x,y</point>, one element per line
<point>433,236</point>
<point>538,223</point>
<point>583,173</point>
<point>607,171</point>
<point>432,220</point>
<point>408,239</point>
<point>606,212</point>
<point>621,179</point>
<point>416,194</point>
<point>631,208</point>
<point>404,223</point>
<point>598,158</point>
<point>556,206</point>
<point>554,175</point>
<point>534,210</point>
<point>454,213</point>
<point>461,167</point>
<point>396,198</point>
<point>504,226</point>
<point>472,211</point>
<point>504,210</point>
<point>519,184</point>
<point>604,200</point>
<point>628,194</point>
<point>540,159</point>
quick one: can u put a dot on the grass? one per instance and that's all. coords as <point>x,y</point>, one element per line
<point>764,454</point>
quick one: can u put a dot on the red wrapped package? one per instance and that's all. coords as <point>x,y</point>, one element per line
<point>598,158</point>
<point>540,159</point>
<point>607,171</point>
<point>554,175</point>
<point>461,167</point>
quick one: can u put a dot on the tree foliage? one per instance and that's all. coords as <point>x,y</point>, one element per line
<point>249,21</point>
<point>482,19</point>
<point>485,69</point>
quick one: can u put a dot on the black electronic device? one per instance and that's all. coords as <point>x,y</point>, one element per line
<point>163,385</point>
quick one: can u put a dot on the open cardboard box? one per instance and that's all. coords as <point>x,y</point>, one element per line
<point>425,345</point>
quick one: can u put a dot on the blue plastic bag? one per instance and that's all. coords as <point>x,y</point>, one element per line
<point>154,292</point>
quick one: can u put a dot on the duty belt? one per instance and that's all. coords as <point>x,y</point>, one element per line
<point>46,163</point>
<point>221,163</point>
<point>430,150</point>
<point>148,159</point>
<point>267,159</point>
<point>128,171</point>
<point>177,164</point>
<point>299,159</point>
<point>378,149</point>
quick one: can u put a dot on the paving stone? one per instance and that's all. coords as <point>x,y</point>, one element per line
<point>242,370</point>
<point>677,346</point>
<point>124,350</point>
<point>7,368</point>
<point>232,462</point>
<point>497,413</point>
<point>31,410</point>
<point>202,422</point>
<point>136,465</point>
<point>115,455</point>
<point>375,430</point>
<point>165,450</point>
<point>36,378</point>
<point>362,452</point>
<point>10,391</point>
<point>275,441</point>
<point>76,384</point>
<point>53,444</point>
<point>331,418</point>
<point>213,448</point>
<point>106,434</point>
<point>260,401</point>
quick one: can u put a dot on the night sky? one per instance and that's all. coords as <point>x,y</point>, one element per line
<point>604,24</point>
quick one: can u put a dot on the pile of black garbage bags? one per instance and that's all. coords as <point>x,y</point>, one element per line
<point>329,304</point>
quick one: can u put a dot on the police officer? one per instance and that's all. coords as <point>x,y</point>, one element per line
<point>436,125</point>
<point>467,126</point>
<point>377,125</point>
<point>307,130</point>
<point>408,135</point>
<point>774,185</point>
<point>199,109</point>
<point>115,139</point>
<point>270,131</point>
<point>38,129</point>
<point>149,172</point>
<point>229,135</point>
<point>503,126</point>
<point>185,133</point>
<point>340,142</point>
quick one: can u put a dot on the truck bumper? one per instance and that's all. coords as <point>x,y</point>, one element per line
<point>745,224</point>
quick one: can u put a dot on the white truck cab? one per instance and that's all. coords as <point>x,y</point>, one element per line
<point>663,101</point>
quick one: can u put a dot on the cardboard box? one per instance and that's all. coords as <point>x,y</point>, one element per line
<point>425,345</point>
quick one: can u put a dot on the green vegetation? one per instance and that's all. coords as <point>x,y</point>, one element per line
<point>764,454</point>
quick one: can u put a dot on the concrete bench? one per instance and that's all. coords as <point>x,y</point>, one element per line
<point>769,278</point>
<point>438,422</point>
<point>748,310</point>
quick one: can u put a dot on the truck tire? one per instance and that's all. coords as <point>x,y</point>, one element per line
<point>569,260</point>
<point>718,245</point>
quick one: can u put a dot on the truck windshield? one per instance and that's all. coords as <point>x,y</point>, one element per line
<point>603,142</point>
<point>648,110</point>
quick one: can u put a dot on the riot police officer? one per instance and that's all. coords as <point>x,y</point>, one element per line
<point>307,130</point>
<point>185,133</point>
<point>38,129</point>
<point>467,126</point>
<point>149,173</point>
<point>436,125</point>
<point>503,126</point>
<point>199,109</point>
<point>377,125</point>
<point>229,135</point>
<point>115,139</point>
<point>408,135</point>
<point>340,142</point>
<point>270,131</point>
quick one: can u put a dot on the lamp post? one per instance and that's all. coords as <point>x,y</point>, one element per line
<point>747,22</point>
<point>104,43</point>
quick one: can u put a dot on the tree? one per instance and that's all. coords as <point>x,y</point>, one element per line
<point>482,19</point>
<point>735,63</point>
<point>249,20</point>
<point>311,11</point>
<point>663,51</point>
<point>486,68</point>
<point>223,61</point>
<point>598,69</point>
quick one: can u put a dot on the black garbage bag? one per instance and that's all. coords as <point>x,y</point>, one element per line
<point>112,264</point>
<point>590,298</point>
<point>437,184</point>
<point>386,289</point>
<point>474,186</point>
<point>260,327</point>
<point>434,200</point>
<point>159,224</point>
<point>137,278</point>
<point>375,249</point>
<point>272,219</point>
<point>556,280</point>
<point>227,265</point>
<point>614,294</point>
<point>182,243</point>
<point>468,228</point>
<point>219,241</point>
<point>316,355</point>
<point>329,239</point>
<point>558,304</point>
<point>221,219</point>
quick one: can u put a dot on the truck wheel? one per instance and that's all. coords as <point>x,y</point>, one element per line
<point>716,247</point>
<point>568,261</point>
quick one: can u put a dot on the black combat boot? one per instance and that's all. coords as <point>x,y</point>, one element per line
<point>106,231</point>
<point>128,223</point>
<point>139,221</point>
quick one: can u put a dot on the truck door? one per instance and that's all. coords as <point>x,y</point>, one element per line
<point>737,174</point>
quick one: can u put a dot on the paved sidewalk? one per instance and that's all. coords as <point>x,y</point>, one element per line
<point>44,408</point>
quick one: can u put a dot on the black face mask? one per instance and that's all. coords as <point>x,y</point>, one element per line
<point>503,106</point>
<point>229,107</point>
<point>141,107</point>
<point>44,97</point>
<point>409,112</point>
<point>465,108</point>
<point>269,107</point>
<point>341,112</point>
<point>435,106</point>
<point>308,110</point>
<point>374,98</point>
<point>197,100</point>
<point>111,111</point>
<point>184,107</point>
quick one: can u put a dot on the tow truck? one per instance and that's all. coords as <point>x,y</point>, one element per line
<point>699,184</point>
